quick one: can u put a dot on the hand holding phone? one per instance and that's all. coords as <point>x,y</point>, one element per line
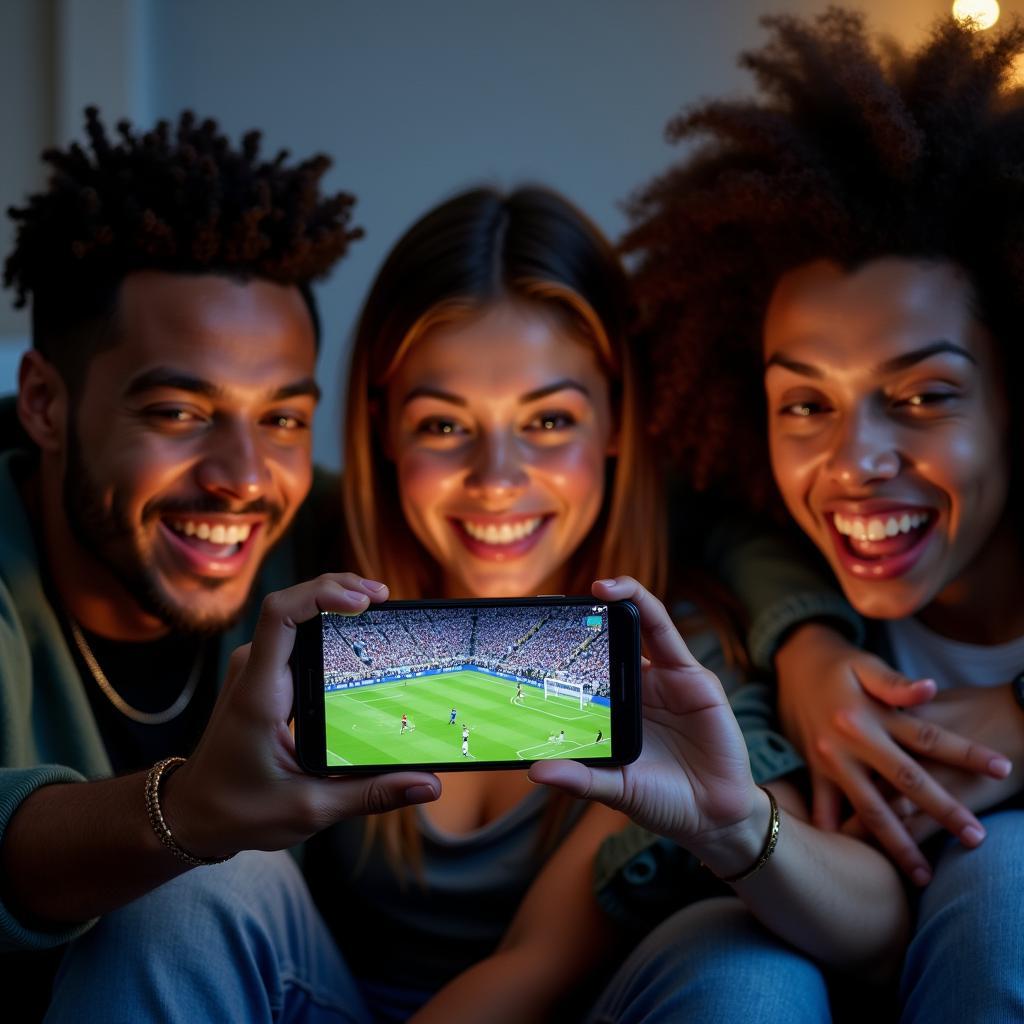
<point>692,782</point>
<point>242,789</point>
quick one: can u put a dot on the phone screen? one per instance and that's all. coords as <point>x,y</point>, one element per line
<point>469,685</point>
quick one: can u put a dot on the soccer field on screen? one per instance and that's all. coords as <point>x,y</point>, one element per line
<point>364,725</point>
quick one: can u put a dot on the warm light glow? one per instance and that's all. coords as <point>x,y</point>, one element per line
<point>984,13</point>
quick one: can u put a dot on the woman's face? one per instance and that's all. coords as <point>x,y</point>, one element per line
<point>499,427</point>
<point>887,419</point>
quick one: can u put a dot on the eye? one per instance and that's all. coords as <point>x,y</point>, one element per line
<point>172,415</point>
<point>803,410</point>
<point>439,426</point>
<point>286,421</point>
<point>926,399</point>
<point>548,422</point>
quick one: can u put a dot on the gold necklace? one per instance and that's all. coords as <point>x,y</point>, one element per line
<point>143,717</point>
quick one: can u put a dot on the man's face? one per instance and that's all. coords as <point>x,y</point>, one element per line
<point>888,429</point>
<point>189,443</point>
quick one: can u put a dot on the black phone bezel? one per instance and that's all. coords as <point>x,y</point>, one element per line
<point>624,664</point>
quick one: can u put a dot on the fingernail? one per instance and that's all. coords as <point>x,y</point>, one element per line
<point>920,877</point>
<point>420,794</point>
<point>972,835</point>
<point>999,767</point>
<point>374,585</point>
<point>608,583</point>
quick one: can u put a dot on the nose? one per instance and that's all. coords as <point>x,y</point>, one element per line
<point>864,450</point>
<point>233,467</point>
<point>497,473</point>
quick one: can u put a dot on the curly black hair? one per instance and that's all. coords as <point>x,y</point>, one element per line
<point>180,199</point>
<point>856,150</point>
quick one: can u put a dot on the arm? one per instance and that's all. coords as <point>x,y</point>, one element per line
<point>72,852</point>
<point>557,938</point>
<point>693,784</point>
<point>779,586</point>
<point>838,704</point>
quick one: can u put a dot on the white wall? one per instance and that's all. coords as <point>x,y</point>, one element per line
<point>415,98</point>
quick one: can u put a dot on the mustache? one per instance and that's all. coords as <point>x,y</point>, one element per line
<point>212,505</point>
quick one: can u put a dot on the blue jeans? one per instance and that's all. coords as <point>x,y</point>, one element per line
<point>712,962</point>
<point>239,941</point>
<point>966,959</point>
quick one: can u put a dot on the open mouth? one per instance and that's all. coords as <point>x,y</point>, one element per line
<point>882,545</point>
<point>500,539</point>
<point>209,546</point>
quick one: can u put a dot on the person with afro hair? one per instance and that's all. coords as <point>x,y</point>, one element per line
<point>833,282</point>
<point>165,410</point>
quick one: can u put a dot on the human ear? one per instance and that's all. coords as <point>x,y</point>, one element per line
<point>42,402</point>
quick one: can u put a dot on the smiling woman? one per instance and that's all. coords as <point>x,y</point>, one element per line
<point>504,467</point>
<point>840,261</point>
<point>493,447</point>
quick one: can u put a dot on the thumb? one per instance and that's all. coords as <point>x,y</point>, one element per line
<point>603,784</point>
<point>379,793</point>
<point>891,687</point>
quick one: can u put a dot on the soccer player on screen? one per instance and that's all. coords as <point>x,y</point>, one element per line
<point>465,741</point>
<point>451,721</point>
<point>405,724</point>
<point>518,698</point>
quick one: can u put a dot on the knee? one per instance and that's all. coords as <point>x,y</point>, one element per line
<point>713,960</point>
<point>240,895</point>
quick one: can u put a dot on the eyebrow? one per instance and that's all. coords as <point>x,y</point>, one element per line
<point>530,396</point>
<point>174,380</point>
<point>893,365</point>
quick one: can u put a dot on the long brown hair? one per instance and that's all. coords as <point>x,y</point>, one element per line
<point>474,250</point>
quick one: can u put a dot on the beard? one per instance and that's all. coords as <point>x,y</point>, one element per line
<point>109,535</point>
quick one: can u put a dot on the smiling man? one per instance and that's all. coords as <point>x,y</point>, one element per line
<point>166,406</point>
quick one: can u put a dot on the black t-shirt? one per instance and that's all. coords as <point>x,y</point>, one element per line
<point>150,677</point>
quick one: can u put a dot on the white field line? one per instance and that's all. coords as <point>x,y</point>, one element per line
<point>563,747</point>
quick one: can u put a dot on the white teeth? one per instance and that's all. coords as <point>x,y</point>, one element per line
<point>216,534</point>
<point>501,533</point>
<point>875,528</point>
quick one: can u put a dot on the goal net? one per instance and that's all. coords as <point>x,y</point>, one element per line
<point>564,688</point>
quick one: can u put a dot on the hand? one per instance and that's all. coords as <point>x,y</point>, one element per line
<point>242,788</point>
<point>989,714</point>
<point>837,704</point>
<point>692,782</point>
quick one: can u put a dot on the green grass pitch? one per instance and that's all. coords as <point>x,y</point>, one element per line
<point>364,724</point>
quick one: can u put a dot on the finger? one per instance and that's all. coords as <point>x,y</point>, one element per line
<point>876,816</point>
<point>661,639</point>
<point>947,747</point>
<point>826,798</point>
<point>854,828</point>
<point>281,611</point>
<point>347,798</point>
<point>884,683</point>
<point>603,784</point>
<point>911,779</point>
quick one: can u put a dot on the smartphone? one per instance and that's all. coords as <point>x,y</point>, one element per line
<point>468,685</point>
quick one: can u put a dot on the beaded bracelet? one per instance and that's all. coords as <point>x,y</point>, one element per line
<point>769,845</point>
<point>160,771</point>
